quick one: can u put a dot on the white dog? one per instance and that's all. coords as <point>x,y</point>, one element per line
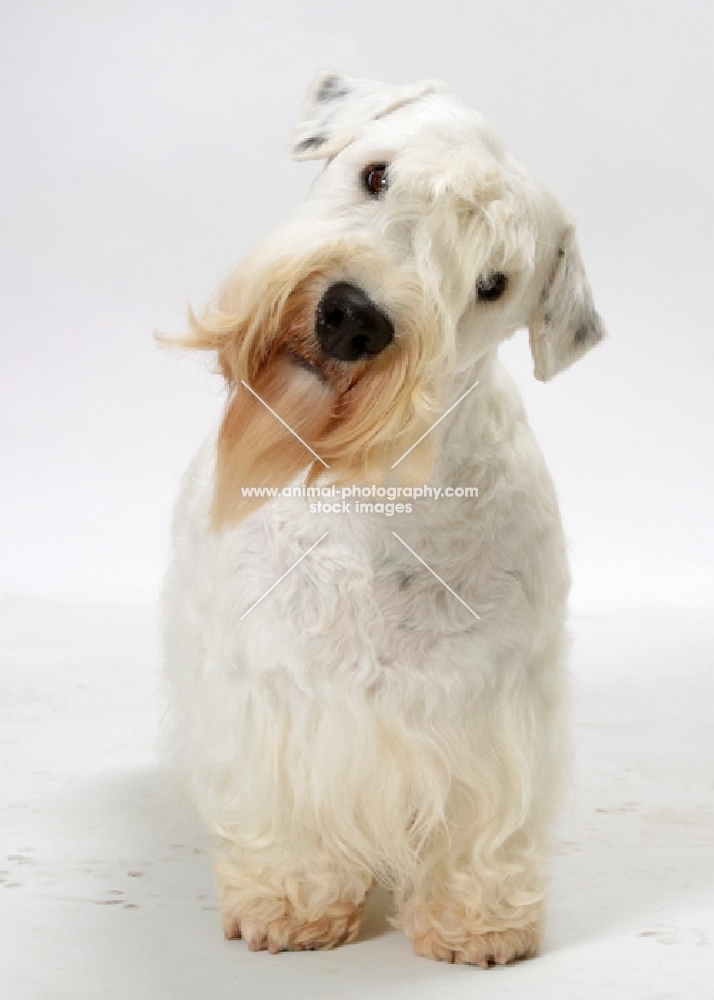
<point>358,693</point>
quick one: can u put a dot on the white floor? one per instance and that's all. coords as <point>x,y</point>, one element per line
<point>105,893</point>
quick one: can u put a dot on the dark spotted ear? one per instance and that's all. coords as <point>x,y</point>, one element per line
<point>337,106</point>
<point>564,324</point>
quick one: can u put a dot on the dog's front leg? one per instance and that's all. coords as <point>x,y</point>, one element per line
<point>478,893</point>
<point>313,903</point>
<point>475,916</point>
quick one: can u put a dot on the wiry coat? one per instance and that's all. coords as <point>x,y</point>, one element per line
<point>360,722</point>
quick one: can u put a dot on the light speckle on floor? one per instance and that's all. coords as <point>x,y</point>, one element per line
<point>105,889</point>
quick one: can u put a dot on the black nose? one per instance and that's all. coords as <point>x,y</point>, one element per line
<point>349,326</point>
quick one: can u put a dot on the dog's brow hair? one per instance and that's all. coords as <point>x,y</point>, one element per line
<point>434,425</point>
<point>289,570</point>
<point>287,426</point>
<point>445,584</point>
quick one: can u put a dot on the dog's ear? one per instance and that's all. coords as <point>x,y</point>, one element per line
<point>564,324</point>
<point>337,106</point>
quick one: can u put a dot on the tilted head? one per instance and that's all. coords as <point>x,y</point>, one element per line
<point>421,246</point>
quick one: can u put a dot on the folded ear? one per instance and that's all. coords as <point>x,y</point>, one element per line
<point>337,106</point>
<point>564,324</point>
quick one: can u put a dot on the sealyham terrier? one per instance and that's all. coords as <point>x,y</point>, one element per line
<point>374,691</point>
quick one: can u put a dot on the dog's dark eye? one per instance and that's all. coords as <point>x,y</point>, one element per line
<point>491,286</point>
<point>374,178</point>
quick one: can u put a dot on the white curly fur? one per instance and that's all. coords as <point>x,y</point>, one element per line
<point>360,723</point>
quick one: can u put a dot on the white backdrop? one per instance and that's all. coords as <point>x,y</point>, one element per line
<point>145,151</point>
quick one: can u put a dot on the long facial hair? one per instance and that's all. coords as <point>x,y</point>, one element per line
<point>359,417</point>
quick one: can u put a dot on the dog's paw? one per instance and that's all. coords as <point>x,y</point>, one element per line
<point>489,948</point>
<point>286,931</point>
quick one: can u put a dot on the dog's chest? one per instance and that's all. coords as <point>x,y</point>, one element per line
<point>374,594</point>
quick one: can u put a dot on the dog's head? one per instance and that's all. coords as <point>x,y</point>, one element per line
<point>421,246</point>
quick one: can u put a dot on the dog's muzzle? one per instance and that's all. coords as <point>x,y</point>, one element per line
<point>349,326</point>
